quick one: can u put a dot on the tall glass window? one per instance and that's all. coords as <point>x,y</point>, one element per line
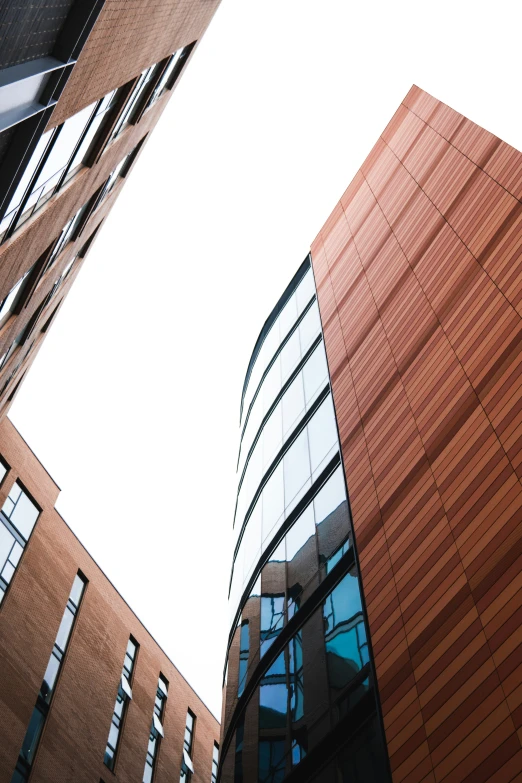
<point>8,304</point>
<point>17,520</point>
<point>244,649</point>
<point>57,155</point>
<point>156,729</point>
<point>282,367</point>
<point>295,473</point>
<point>123,698</point>
<point>48,687</point>
<point>215,762</point>
<point>187,767</point>
<point>295,306</point>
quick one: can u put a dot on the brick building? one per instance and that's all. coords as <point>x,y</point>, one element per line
<point>376,588</point>
<point>82,85</point>
<point>81,678</point>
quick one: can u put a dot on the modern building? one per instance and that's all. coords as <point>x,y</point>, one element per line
<point>376,587</point>
<point>82,85</point>
<point>86,694</point>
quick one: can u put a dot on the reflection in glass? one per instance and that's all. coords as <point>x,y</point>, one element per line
<point>244,647</point>
<point>273,696</point>
<point>345,636</point>
<point>272,619</point>
<point>271,761</point>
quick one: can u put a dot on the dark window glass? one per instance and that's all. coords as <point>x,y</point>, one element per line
<point>20,510</point>
<point>271,761</point>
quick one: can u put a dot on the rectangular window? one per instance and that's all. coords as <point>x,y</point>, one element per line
<point>215,762</point>
<point>156,729</point>
<point>8,304</point>
<point>40,712</point>
<point>187,767</point>
<point>68,234</point>
<point>20,510</point>
<point>123,697</point>
<point>244,646</point>
<point>56,157</point>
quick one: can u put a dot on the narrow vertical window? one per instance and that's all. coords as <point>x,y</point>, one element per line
<point>244,646</point>
<point>123,697</point>
<point>187,767</point>
<point>215,762</point>
<point>48,687</point>
<point>17,520</point>
<point>156,729</point>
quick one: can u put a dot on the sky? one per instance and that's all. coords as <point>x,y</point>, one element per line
<point>132,404</point>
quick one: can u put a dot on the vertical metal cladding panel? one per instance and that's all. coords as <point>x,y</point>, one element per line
<point>419,277</point>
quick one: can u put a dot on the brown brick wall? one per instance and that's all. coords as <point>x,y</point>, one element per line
<point>73,743</point>
<point>419,275</point>
<point>128,36</point>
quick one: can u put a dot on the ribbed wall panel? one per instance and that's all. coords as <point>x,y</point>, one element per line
<point>419,276</point>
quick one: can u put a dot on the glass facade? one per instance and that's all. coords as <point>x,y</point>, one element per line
<point>299,668</point>
<point>41,710</point>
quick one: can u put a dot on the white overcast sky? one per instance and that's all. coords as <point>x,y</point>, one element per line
<point>133,402</point>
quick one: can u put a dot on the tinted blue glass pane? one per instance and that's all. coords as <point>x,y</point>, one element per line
<point>290,355</point>
<point>345,638</point>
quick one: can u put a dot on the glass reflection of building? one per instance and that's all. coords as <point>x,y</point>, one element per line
<point>299,697</point>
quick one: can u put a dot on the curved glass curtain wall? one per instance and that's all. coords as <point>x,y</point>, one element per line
<point>298,662</point>
<point>295,305</point>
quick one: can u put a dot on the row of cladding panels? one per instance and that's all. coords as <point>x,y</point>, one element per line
<point>419,276</point>
<point>76,730</point>
<point>130,35</point>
